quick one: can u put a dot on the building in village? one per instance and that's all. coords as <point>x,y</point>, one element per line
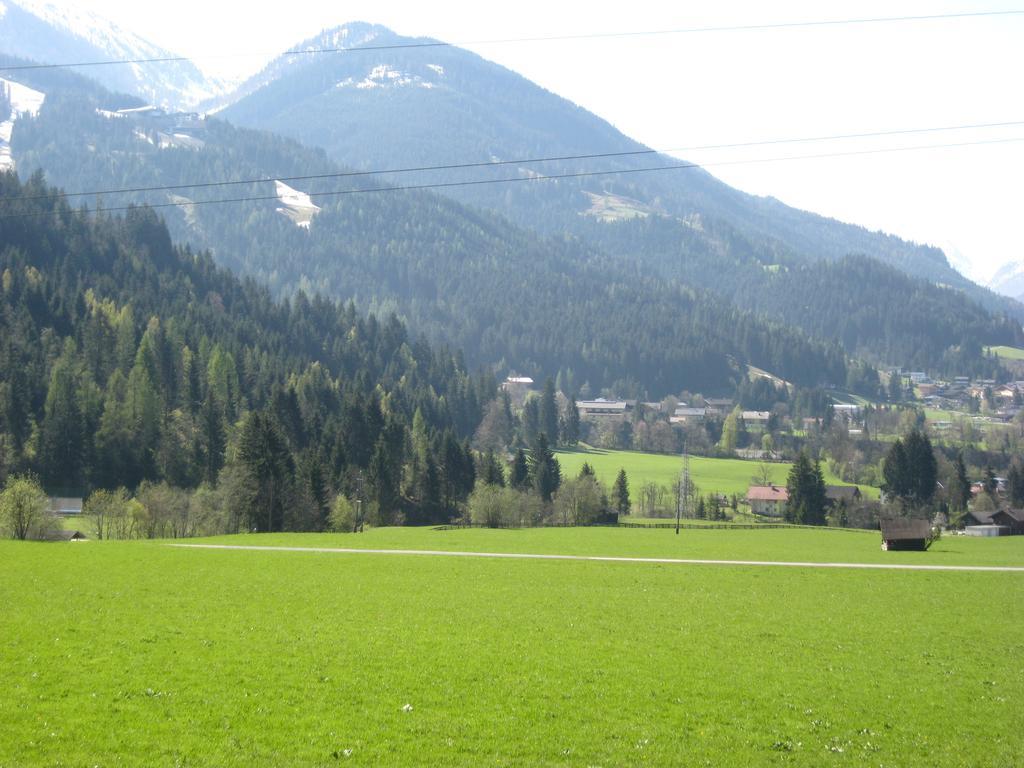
<point>768,500</point>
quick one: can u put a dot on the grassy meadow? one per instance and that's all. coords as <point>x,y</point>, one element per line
<point>726,476</point>
<point>1007,353</point>
<point>138,653</point>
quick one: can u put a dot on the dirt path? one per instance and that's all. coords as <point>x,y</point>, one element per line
<point>608,559</point>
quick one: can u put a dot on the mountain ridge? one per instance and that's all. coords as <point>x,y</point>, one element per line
<point>485,111</point>
<point>43,32</point>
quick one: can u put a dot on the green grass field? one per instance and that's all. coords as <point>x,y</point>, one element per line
<point>136,653</point>
<point>726,476</point>
<point>1007,353</point>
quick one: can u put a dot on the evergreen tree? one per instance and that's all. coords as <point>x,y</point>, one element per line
<point>620,493</point>
<point>921,467</point>
<point>586,470</point>
<point>383,478</point>
<point>960,492</point>
<point>214,437</point>
<point>895,388</point>
<point>545,472</point>
<point>549,412</point>
<point>264,455</point>
<point>571,423</point>
<point>61,440</point>
<point>806,488</point>
<point>896,471</point>
<point>531,420</point>
<point>1015,485</point>
<point>519,474</point>
<point>991,485</point>
<point>490,472</point>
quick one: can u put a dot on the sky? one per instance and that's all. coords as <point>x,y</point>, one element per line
<point>684,90</point>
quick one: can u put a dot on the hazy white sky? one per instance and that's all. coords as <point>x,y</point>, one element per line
<point>686,90</point>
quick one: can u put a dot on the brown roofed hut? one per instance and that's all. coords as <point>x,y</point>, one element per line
<point>906,534</point>
<point>1011,519</point>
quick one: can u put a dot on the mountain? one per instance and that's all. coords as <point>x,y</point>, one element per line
<point>1009,280</point>
<point>43,32</point>
<point>377,107</point>
<point>504,295</point>
<point>127,359</point>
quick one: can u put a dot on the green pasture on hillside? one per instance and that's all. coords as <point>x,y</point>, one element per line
<point>726,476</point>
<point>137,653</point>
<point>1007,353</point>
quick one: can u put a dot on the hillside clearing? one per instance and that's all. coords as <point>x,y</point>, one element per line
<point>726,476</point>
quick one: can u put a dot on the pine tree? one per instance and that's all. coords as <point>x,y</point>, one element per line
<point>620,493</point>
<point>586,470</point>
<point>519,474</point>
<point>571,423</point>
<point>545,472</point>
<point>921,466</point>
<point>214,437</point>
<point>491,472</point>
<point>896,471</point>
<point>960,492</point>
<point>806,489</point>
<point>61,439</point>
<point>531,420</point>
<point>263,453</point>
<point>549,412</point>
<point>1015,485</point>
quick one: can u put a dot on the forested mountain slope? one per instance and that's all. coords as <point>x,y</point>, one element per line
<point>434,105</point>
<point>500,293</point>
<point>126,359</point>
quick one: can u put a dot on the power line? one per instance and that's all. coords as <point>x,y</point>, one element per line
<point>523,161</point>
<point>538,178</point>
<point>547,39</point>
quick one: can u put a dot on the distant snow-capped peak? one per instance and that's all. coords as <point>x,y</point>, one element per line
<point>175,84</point>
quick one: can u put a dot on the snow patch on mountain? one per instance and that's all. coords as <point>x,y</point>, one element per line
<point>383,76</point>
<point>329,40</point>
<point>24,101</point>
<point>296,205</point>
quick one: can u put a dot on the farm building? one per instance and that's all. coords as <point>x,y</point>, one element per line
<point>848,493</point>
<point>977,517</point>
<point>718,406</point>
<point>65,505</point>
<point>602,408</point>
<point>63,536</point>
<point>518,387</point>
<point>684,415</point>
<point>906,534</point>
<point>1010,519</point>
<point>756,420</point>
<point>767,500</point>
<point>984,531</point>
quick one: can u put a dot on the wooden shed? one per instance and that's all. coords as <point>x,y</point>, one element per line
<point>1011,519</point>
<point>906,533</point>
<point>65,536</point>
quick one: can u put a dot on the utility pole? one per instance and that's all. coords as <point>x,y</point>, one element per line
<point>683,494</point>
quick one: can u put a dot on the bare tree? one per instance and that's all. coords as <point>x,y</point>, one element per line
<point>763,475</point>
